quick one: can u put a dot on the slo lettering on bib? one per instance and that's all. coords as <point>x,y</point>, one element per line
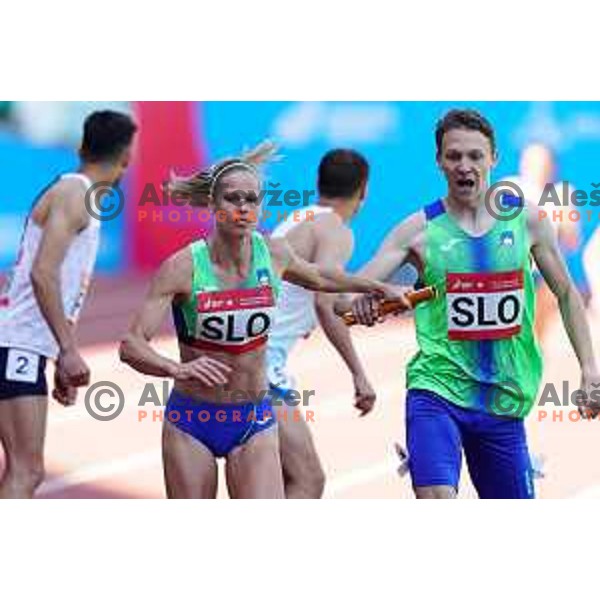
<point>238,320</point>
<point>484,306</point>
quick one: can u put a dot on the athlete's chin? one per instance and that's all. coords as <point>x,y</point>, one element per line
<point>470,198</point>
<point>241,228</point>
<point>246,225</point>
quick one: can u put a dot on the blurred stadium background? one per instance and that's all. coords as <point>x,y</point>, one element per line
<point>38,141</point>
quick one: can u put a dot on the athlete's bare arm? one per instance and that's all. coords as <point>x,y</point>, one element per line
<point>402,245</point>
<point>545,250</point>
<point>334,243</point>
<point>174,278</point>
<point>320,278</point>
<point>66,218</point>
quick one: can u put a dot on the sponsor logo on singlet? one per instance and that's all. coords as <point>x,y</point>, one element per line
<point>484,306</point>
<point>507,239</point>
<point>263,277</point>
<point>234,316</point>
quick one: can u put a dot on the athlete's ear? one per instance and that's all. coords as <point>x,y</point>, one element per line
<point>363,191</point>
<point>495,159</point>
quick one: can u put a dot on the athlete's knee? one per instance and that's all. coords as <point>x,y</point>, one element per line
<point>311,484</point>
<point>435,492</point>
<point>27,470</point>
<point>306,480</point>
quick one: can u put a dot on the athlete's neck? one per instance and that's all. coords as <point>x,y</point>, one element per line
<point>343,207</point>
<point>98,172</point>
<point>473,216</point>
<point>232,253</point>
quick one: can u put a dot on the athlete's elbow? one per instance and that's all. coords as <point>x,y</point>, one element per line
<point>566,293</point>
<point>318,283</point>
<point>39,277</point>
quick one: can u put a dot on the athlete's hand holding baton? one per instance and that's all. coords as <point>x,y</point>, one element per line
<point>369,309</point>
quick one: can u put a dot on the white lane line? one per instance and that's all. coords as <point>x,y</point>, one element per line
<point>152,458</point>
<point>100,470</point>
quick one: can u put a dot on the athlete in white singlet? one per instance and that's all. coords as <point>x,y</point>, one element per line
<point>42,298</point>
<point>319,234</point>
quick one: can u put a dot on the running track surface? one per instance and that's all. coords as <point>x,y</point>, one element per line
<point>86,458</point>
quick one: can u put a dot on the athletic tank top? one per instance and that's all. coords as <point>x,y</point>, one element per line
<point>233,321</point>
<point>21,322</point>
<point>476,342</point>
<point>295,316</point>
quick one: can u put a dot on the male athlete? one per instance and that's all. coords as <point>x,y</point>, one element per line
<point>43,297</point>
<point>319,234</point>
<point>478,368</point>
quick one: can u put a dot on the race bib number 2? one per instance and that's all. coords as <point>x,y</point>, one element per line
<point>484,306</point>
<point>22,366</point>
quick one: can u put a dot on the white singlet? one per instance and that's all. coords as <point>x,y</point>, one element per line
<point>22,324</point>
<point>295,315</point>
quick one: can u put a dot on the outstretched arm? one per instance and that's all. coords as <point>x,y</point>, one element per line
<point>392,254</point>
<point>319,278</point>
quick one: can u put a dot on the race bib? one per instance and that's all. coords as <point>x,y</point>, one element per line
<point>484,306</point>
<point>22,366</point>
<point>234,316</point>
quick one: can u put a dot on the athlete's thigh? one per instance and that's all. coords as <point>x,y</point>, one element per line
<point>254,468</point>
<point>434,444</point>
<point>498,458</point>
<point>190,469</point>
<point>296,445</point>
<point>23,427</point>
<point>23,403</point>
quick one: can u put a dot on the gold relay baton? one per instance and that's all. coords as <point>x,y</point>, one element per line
<point>386,307</point>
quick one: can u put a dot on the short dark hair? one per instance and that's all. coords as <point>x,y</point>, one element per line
<point>106,134</point>
<point>463,119</point>
<point>342,173</point>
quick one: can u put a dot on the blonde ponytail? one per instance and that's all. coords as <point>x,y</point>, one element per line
<point>200,186</point>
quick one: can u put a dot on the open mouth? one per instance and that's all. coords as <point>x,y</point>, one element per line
<point>465,184</point>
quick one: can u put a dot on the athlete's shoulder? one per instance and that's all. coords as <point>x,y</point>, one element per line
<point>67,199</point>
<point>327,218</point>
<point>277,246</point>
<point>175,272</point>
<point>330,226</point>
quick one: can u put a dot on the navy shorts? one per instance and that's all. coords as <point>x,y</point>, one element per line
<point>219,427</point>
<point>22,373</point>
<point>495,448</point>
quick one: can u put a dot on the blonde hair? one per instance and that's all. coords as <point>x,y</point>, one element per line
<point>200,186</point>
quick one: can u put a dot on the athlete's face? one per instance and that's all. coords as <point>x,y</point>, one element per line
<point>466,158</point>
<point>237,202</point>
